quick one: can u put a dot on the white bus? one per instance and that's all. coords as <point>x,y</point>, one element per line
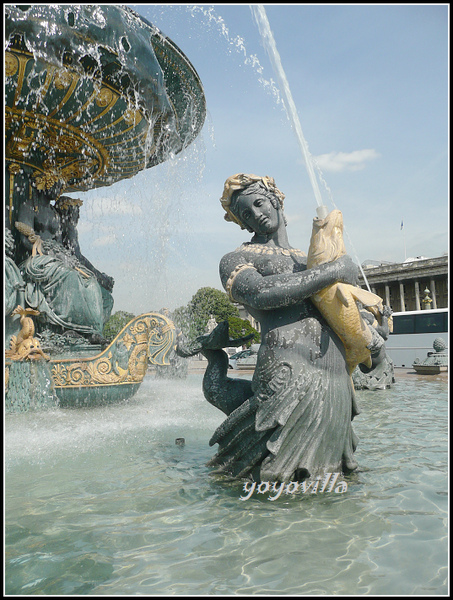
<point>413,334</point>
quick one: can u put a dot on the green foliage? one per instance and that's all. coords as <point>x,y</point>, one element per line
<point>206,302</point>
<point>241,327</point>
<point>193,318</point>
<point>116,323</point>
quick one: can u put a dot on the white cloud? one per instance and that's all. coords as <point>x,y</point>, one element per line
<point>345,161</point>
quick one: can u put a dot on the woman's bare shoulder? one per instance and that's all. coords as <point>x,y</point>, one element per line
<point>231,261</point>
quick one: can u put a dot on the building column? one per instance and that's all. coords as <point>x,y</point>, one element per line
<point>432,284</point>
<point>402,306</point>
<point>417,295</point>
<point>387,295</point>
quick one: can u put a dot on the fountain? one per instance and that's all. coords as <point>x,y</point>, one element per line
<point>93,95</point>
<point>111,501</point>
<point>435,362</point>
<point>293,421</point>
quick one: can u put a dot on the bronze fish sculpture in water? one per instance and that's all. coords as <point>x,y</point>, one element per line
<point>338,302</point>
<point>25,345</point>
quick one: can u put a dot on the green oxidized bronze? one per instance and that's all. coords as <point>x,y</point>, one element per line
<point>93,95</point>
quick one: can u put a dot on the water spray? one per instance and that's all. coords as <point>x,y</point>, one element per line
<point>259,13</point>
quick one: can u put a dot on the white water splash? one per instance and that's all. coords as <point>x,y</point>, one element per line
<point>237,43</point>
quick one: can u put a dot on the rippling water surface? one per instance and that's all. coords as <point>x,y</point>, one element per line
<point>103,502</point>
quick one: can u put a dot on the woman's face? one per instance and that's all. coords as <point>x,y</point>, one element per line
<point>258,213</point>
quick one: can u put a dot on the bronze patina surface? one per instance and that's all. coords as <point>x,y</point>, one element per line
<point>94,94</point>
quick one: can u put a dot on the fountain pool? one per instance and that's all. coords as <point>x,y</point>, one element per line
<point>103,502</point>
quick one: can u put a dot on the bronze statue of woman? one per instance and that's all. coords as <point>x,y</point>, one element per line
<point>66,289</point>
<point>295,421</point>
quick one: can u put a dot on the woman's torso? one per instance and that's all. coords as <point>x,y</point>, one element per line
<point>297,330</point>
<point>273,261</point>
<point>47,223</point>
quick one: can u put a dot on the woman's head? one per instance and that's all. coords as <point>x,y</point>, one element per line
<point>241,185</point>
<point>49,184</point>
<point>69,208</point>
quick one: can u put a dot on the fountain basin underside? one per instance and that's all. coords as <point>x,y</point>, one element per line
<point>93,95</point>
<point>97,97</point>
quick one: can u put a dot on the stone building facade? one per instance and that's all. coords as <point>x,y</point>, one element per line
<point>402,286</point>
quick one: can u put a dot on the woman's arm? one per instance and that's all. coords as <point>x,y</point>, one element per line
<point>26,216</point>
<point>247,286</point>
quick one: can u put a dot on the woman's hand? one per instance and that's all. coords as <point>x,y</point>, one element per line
<point>348,271</point>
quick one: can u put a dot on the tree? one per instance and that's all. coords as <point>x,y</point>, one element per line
<point>241,327</point>
<point>206,302</point>
<point>192,319</point>
<point>116,323</point>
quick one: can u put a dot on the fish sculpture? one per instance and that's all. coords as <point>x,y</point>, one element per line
<point>338,302</point>
<point>25,345</point>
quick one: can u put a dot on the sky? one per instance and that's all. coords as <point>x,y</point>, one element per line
<point>370,87</point>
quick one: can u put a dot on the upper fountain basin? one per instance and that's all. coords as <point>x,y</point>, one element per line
<point>95,93</point>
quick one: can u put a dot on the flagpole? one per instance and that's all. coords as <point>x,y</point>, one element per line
<point>404,238</point>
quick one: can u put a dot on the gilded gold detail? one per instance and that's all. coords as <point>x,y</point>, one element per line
<point>338,302</point>
<point>24,345</point>
<point>67,142</point>
<point>64,202</point>
<point>128,340</point>
<point>46,181</point>
<point>32,236</point>
<point>234,274</point>
<point>11,64</point>
<point>80,170</point>
<point>132,116</point>
<point>13,168</point>
<point>6,378</point>
<point>263,249</point>
<point>146,339</point>
<point>105,97</point>
<point>20,143</point>
<point>33,132</point>
<point>63,80</point>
